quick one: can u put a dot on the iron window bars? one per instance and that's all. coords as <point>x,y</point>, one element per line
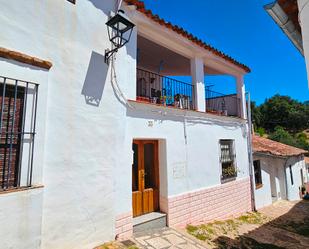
<point>18,108</point>
<point>158,89</point>
<point>227,159</point>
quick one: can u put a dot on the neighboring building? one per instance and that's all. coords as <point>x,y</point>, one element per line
<point>307,172</point>
<point>87,146</point>
<point>279,171</point>
<point>292,16</point>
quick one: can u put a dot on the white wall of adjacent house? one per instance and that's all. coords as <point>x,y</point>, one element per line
<point>276,179</point>
<point>273,181</point>
<point>80,123</point>
<point>303,6</point>
<point>293,185</point>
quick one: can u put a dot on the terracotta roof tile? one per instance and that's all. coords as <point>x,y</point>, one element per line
<point>140,6</point>
<point>307,160</point>
<point>264,145</point>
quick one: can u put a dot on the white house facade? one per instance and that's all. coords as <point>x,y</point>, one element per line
<point>279,172</point>
<point>88,146</point>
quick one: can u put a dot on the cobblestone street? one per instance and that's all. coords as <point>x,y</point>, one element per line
<point>166,238</point>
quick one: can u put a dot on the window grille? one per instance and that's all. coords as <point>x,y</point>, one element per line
<point>18,106</point>
<point>227,159</point>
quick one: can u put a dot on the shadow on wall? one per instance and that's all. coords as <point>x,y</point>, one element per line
<point>95,79</point>
<point>105,6</point>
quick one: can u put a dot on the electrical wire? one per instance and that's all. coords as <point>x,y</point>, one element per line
<point>118,5</point>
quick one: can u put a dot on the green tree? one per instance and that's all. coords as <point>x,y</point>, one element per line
<point>285,112</point>
<point>282,136</point>
<point>302,141</point>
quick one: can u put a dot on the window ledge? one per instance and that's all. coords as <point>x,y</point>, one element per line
<point>229,179</point>
<point>20,189</point>
<point>258,186</point>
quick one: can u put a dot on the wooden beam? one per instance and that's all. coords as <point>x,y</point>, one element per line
<point>24,58</point>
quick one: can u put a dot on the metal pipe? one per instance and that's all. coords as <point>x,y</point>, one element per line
<point>250,153</point>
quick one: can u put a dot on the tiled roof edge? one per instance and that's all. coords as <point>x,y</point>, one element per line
<point>140,6</point>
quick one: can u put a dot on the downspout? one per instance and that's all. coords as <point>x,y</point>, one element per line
<point>250,156</point>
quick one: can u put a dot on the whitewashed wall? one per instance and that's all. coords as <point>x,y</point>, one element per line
<point>297,163</point>
<point>276,179</point>
<point>273,180</point>
<point>21,212</point>
<point>85,123</point>
<point>85,130</point>
<point>191,160</point>
<point>303,6</point>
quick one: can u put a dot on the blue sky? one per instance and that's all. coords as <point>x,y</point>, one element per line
<point>243,30</point>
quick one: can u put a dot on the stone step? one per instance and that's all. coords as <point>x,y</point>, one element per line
<point>149,221</point>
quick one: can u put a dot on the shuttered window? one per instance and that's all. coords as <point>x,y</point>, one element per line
<point>227,159</point>
<point>16,99</point>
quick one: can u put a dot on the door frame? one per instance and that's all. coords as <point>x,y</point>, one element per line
<point>141,180</point>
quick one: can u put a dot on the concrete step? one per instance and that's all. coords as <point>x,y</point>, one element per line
<point>149,221</point>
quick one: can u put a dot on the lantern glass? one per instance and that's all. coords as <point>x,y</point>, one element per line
<point>119,29</point>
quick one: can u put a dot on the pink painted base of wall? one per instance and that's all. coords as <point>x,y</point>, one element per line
<point>227,200</point>
<point>124,226</point>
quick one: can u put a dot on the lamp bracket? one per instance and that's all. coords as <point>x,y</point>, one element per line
<point>108,54</point>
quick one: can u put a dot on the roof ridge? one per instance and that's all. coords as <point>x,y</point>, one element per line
<point>140,6</point>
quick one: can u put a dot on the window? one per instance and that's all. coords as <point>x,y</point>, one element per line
<point>18,103</point>
<point>227,159</point>
<point>257,173</point>
<point>291,175</point>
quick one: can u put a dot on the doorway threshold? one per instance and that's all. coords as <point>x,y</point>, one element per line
<point>149,221</point>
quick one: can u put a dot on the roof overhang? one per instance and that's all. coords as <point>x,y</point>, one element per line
<point>175,38</point>
<point>285,14</point>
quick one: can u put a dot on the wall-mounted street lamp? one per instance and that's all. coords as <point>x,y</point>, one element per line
<point>119,32</point>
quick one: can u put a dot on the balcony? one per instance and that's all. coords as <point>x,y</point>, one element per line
<point>160,65</point>
<point>161,90</point>
<point>220,104</point>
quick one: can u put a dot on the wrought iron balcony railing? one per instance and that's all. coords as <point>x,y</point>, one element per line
<point>162,90</point>
<point>218,103</point>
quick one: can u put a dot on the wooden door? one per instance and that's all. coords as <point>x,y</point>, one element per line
<point>11,124</point>
<point>145,177</point>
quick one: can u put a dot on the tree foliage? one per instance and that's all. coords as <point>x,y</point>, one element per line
<point>285,112</point>
<point>284,119</point>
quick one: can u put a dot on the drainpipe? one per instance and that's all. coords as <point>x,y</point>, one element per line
<point>250,156</point>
